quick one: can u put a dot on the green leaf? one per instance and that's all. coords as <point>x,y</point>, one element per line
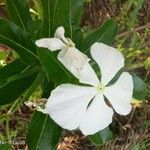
<point>46,18</point>
<point>47,87</point>
<point>105,34</point>
<point>61,16</point>
<point>37,82</point>
<point>53,68</point>
<point>12,36</point>
<point>14,89</point>
<point>27,72</point>
<point>77,7</point>
<point>67,13</point>
<point>15,33</point>
<point>140,89</point>
<point>11,69</point>
<point>5,146</point>
<point>96,139</point>
<point>101,137</point>
<point>60,13</point>
<point>77,37</point>
<point>19,13</point>
<point>56,13</point>
<point>43,133</point>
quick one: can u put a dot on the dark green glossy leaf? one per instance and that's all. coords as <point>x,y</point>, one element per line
<point>77,7</point>
<point>12,36</point>
<point>67,13</point>
<point>27,72</point>
<point>101,137</point>
<point>61,16</point>
<point>77,37</point>
<point>19,13</point>
<point>57,13</point>
<point>140,89</point>
<point>37,29</point>
<point>43,133</point>
<point>53,68</point>
<point>46,18</point>
<point>37,82</point>
<point>60,13</point>
<point>11,69</point>
<point>105,34</point>
<point>47,87</point>
<point>14,89</point>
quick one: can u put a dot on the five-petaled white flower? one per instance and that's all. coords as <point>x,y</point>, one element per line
<point>84,107</point>
<point>69,56</point>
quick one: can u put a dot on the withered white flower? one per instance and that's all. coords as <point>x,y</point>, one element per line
<point>69,56</point>
<point>73,106</point>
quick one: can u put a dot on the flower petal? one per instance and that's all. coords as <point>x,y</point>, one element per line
<point>60,31</point>
<point>88,76</point>
<point>109,60</point>
<point>97,117</point>
<point>68,103</point>
<point>52,44</point>
<point>120,94</point>
<point>73,60</point>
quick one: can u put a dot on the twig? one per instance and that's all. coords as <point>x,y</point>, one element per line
<point>7,130</point>
<point>131,116</point>
<point>134,66</point>
<point>134,30</point>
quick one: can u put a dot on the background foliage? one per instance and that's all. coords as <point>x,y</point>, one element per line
<point>27,72</point>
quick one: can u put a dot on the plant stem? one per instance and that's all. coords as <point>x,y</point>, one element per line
<point>134,66</point>
<point>7,129</point>
<point>134,30</point>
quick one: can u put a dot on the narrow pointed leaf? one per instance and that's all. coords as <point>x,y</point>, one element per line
<point>11,69</point>
<point>19,13</point>
<point>14,89</point>
<point>105,34</point>
<point>61,16</point>
<point>12,31</point>
<point>77,7</point>
<point>53,68</point>
<point>140,89</point>
<point>15,38</point>
<point>77,37</point>
<point>46,18</point>
<point>27,72</point>
<point>43,133</point>
<point>57,13</point>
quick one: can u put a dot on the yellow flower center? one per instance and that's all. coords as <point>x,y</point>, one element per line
<point>101,88</point>
<point>70,43</point>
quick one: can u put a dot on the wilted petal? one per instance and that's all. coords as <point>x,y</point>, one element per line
<point>68,103</point>
<point>52,44</point>
<point>109,60</point>
<point>97,117</point>
<point>73,60</point>
<point>60,31</point>
<point>120,94</point>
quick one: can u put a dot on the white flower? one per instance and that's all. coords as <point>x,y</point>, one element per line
<point>69,56</point>
<point>73,106</point>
